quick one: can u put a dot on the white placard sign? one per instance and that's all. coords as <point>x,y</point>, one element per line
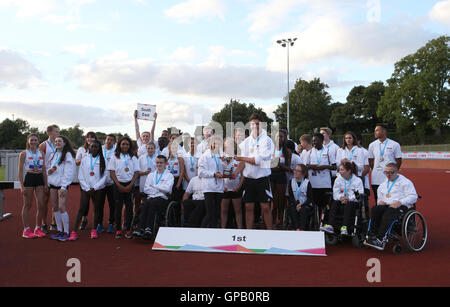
<point>146,111</point>
<point>248,241</point>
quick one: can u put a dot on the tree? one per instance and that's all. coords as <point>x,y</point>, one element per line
<point>241,113</point>
<point>74,134</point>
<point>13,133</point>
<point>418,96</point>
<point>359,114</point>
<point>310,107</point>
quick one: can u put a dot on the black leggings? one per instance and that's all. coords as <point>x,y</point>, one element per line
<point>194,212</point>
<point>300,219</point>
<point>212,204</point>
<point>121,198</point>
<point>150,209</point>
<point>85,199</point>
<point>108,192</point>
<point>382,218</point>
<point>349,213</point>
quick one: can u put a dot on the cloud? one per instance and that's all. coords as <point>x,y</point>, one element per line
<point>18,72</point>
<point>184,53</point>
<point>188,11</point>
<point>78,49</point>
<point>441,12</point>
<point>330,38</point>
<point>119,74</point>
<point>65,114</point>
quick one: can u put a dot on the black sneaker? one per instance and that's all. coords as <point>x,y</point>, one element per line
<point>83,224</point>
<point>375,243</point>
<point>44,229</point>
<point>53,227</point>
<point>147,234</point>
<point>137,233</point>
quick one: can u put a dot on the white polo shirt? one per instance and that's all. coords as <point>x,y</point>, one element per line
<point>355,155</point>
<point>260,148</point>
<point>107,154</point>
<point>146,163</point>
<point>321,179</point>
<point>333,148</point>
<point>120,164</point>
<point>391,152</point>
<point>207,167</point>
<point>300,190</point>
<point>195,188</point>
<point>366,162</point>
<point>403,191</point>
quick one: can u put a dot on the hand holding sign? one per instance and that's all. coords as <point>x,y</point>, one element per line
<point>146,112</point>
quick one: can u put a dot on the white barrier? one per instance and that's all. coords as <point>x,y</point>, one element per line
<point>426,155</point>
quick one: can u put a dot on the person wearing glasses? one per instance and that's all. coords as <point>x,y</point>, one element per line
<point>395,196</point>
<point>380,152</point>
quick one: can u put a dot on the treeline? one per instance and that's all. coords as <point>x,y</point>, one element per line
<point>414,102</point>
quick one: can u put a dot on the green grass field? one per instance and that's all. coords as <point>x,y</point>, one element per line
<point>426,148</point>
<point>2,173</point>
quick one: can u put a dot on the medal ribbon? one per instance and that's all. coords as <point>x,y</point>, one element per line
<point>157,180</point>
<point>349,184</point>
<point>93,164</point>
<point>350,157</point>
<point>149,161</point>
<point>192,161</point>
<point>384,148</point>
<point>317,157</point>
<point>35,157</point>
<point>126,157</point>
<point>58,157</point>
<point>393,182</point>
<point>51,146</point>
<point>171,165</point>
<point>217,163</point>
<point>299,189</point>
<point>106,154</point>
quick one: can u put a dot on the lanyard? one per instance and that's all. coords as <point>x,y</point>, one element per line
<point>192,161</point>
<point>35,157</point>
<point>172,165</point>
<point>149,165</point>
<point>157,180</point>
<point>107,153</point>
<point>58,156</point>
<point>51,146</point>
<point>349,184</point>
<point>230,166</point>
<point>350,157</point>
<point>384,148</point>
<point>393,182</point>
<point>299,189</point>
<point>93,164</point>
<point>217,163</point>
<point>126,157</point>
<point>317,157</point>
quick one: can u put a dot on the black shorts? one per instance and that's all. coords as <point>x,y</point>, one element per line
<point>232,195</point>
<point>33,180</point>
<point>278,177</point>
<point>257,190</point>
<point>52,187</point>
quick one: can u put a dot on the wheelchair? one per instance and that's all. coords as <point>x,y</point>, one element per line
<point>288,224</point>
<point>410,228</point>
<point>357,232</point>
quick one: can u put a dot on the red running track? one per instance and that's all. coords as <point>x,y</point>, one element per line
<point>110,262</point>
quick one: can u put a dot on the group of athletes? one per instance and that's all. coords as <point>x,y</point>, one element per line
<point>258,177</point>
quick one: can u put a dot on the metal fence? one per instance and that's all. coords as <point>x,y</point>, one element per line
<point>11,168</point>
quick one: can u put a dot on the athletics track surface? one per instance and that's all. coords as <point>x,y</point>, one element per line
<point>110,262</point>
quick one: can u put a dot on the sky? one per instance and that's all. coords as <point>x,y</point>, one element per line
<point>92,61</point>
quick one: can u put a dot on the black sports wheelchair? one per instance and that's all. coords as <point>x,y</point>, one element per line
<point>410,227</point>
<point>356,232</point>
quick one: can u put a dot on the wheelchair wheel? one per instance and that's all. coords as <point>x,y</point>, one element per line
<point>331,239</point>
<point>414,231</point>
<point>315,219</point>
<point>173,215</point>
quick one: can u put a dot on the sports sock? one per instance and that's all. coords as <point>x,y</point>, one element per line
<point>58,220</point>
<point>65,220</point>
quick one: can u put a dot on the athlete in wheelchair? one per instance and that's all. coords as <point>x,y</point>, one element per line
<point>299,210</point>
<point>395,216</point>
<point>346,215</point>
<point>158,188</point>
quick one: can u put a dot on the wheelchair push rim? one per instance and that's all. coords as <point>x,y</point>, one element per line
<point>173,215</point>
<point>414,231</point>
